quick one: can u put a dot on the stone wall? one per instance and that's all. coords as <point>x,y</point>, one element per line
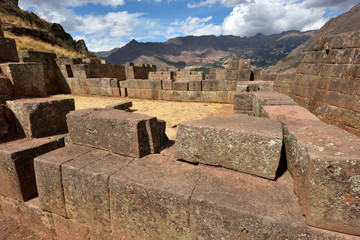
<point>327,81</point>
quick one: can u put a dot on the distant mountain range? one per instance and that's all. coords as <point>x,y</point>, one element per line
<point>208,51</point>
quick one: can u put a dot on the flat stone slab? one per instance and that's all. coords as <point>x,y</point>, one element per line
<point>324,161</point>
<point>291,114</point>
<point>40,117</point>
<point>269,98</point>
<point>86,186</point>
<point>49,176</point>
<point>242,143</point>
<point>120,105</point>
<point>132,134</point>
<point>150,198</point>
<point>17,176</point>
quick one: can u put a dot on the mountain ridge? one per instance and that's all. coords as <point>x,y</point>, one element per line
<point>201,51</point>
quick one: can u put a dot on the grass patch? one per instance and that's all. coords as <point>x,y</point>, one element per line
<point>29,43</point>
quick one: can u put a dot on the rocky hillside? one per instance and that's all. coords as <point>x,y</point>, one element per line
<point>343,23</point>
<point>209,51</point>
<point>32,32</point>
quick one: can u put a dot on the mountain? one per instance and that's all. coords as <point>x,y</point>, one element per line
<point>32,32</point>
<point>208,51</point>
<point>346,22</point>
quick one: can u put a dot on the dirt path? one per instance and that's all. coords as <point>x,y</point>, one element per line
<point>171,112</point>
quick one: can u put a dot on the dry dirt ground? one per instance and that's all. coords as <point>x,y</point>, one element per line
<point>171,112</point>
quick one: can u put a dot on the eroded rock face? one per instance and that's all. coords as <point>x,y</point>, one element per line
<point>246,144</point>
<point>324,161</point>
<point>133,134</point>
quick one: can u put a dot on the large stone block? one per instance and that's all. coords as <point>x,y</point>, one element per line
<point>27,78</point>
<point>17,176</point>
<point>211,85</point>
<point>5,88</point>
<point>195,85</point>
<point>49,179</point>
<point>251,86</point>
<point>242,143</point>
<point>231,205</point>
<point>269,98</point>
<point>181,86</point>
<point>131,134</point>
<point>8,52</point>
<point>70,229</point>
<point>325,165</point>
<point>120,105</point>
<point>291,114</point>
<point>150,198</point>
<point>86,188</point>
<point>243,101</point>
<point>167,84</point>
<point>40,117</point>
<point>4,125</point>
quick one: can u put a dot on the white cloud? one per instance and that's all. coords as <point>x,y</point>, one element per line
<point>194,26</point>
<point>202,4</point>
<point>336,5</point>
<point>69,3</point>
<point>272,16</point>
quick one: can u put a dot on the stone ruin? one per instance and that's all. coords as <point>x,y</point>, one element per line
<point>271,171</point>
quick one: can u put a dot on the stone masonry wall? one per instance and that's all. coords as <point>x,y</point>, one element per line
<point>327,81</point>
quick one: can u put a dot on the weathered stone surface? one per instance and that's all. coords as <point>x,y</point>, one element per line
<point>242,143</point>
<point>86,187</point>
<point>69,229</point>
<point>268,98</point>
<point>17,177</point>
<point>8,52</point>
<point>123,92</point>
<point>291,114</point>
<point>324,162</point>
<point>120,105</point>
<point>243,101</point>
<point>231,205</point>
<point>251,86</point>
<point>27,78</point>
<point>40,117</point>
<point>150,198</point>
<point>4,125</point>
<point>211,85</point>
<point>49,179</point>
<point>195,85</point>
<point>36,219</point>
<point>167,84</point>
<point>5,88</point>
<point>91,127</point>
<point>181,86</point>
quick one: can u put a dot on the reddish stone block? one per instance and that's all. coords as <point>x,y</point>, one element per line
<point>231,205</point>
<point>269,98</point>
<point>324,163</point>
<point>27,79</point>
<point>69,229</point>
<point>336,99</point>
<point>123,92</point>
<point>86,189</point>
<point>5,88</point>
<point>156,204</point>
<point>49,179</point>
<point>123,84</point>
<point>291,114</point>
<point>4,125</point>
<point>36,219</point>
<point>96,234</point>
<point>8,52</point>
<point>210,85</point>
<point>195,85</point>
<point>167,84</point>
<point>120,105</point>
<point>40,117</point>
<point>17,176</point>
<point>144,134</point>
<point>243,101</point>
<point>181,86</point>
<point>242,143</point>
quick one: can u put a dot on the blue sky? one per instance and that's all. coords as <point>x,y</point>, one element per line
<point>106,24</point>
